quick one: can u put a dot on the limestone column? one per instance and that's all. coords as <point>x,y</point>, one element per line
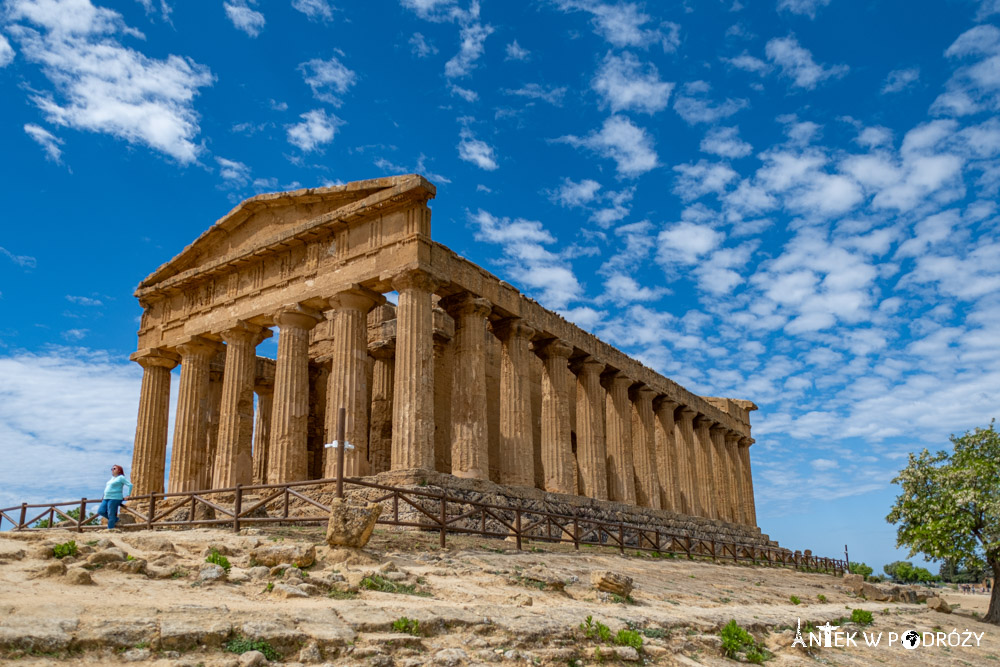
<point>413,398</point>
<point>647,481</point>
<point>187,456</point>
<point>380,429</point>
<point>557,444</point>
<point>751,510</point>
<point>591,450</point>
<point>687,443</point>
<point>149,453</point>
<point>262,431</point>
<point>667,461</point>
<point>517,462</point>
<point>288,455</point>
<point>347,384</point>
<point>618,425</point>
<point>732,440</point>
<point>234,452</point>
<point>723,493</point>
<point>706,466</point>
<point>443,381</point>
<point>211,408</point>
<point>469,436</point>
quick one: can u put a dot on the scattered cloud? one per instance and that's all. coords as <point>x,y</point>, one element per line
<point>517,52</point>
<point>572,193</point>
<point>695,180</point>
<point>630,146</point>
<point>234,173</point>
<point>625,24</point>
<point>466,94</point>
<point>797,63</point>
<point>900,79</point>
<point>534,91</point>
<point>476,151</point>
<point>316,129</point>
<point>975,87</point>
<point>244,18</point>
<point>748,63</point>
<point>725,142</point>
<point>84,300</point>
<point>316,10</point>
<point>6,52</point>
<point>694,106</point>
<point>421,47</point>
<point>625,84</point>
<point>48,141</point>
<point>804,7</point>
<point>473,36</point>
<point>24,261</point>
<point>326,77</point>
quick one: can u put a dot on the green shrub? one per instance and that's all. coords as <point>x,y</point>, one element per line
<point>240,644</point>
<point>861,568</point>
<point>795,599</point>
<point>595,630</point>
<point>736,641</point>
<point>629,638</point>
<point>861,617</point>
<point>64,549</point>
<point>410,626</point>
<point>379,583</point>
<point>218,559</point>
<point>821,597</point>
<point>338,594</point>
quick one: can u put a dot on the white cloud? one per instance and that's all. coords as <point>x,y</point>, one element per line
<point>694,107</point>
<point>316,10</point>
<point>797,63</point>
<point>473,45</point>
<point>326,77</point>
<point>571,193</point>
<point>48,141</point>
<point>748,63</point>
<point>696,180</point>
<point>84,300</point>
<point>685,242</point>
<point>517,52</point>
<point>107,87</point>
<point>476,151</point>
<point>317,128</point>
<point>234,172</point>
<point>615,207</point>
<point>466,94</point>
<point>164,8</point>
<point>900,79</point>
<point>244,18</point>
<point>624,24</point>
<point>553,96</point>
<point>805,7</point>
<point>432,10</point>
<point>976,87</point>
<point>625,84</point>
<point>630,146</point>
<point>622,289</point>
<point>25,261</point>
<point>6,52</point>
<point>421,47</point>
<point>725,142</point>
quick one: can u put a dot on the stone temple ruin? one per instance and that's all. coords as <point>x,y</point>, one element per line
<point>465,377</point>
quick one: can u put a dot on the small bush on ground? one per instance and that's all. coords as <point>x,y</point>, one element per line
<point>861,568</point>
<point>410,626</point>
<point>240,645</point>
<point>861,617</point>
<point>795,599</point>
<point>595,630</point>
<point>629,638</point>
<point>736,641</point>
<point>64,549</point>
<point>821,597</point>
<point>379,583</point>
<point>218,559</point>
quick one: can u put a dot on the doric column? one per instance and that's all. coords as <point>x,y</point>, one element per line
<point>262,431</point>
<point>149,453</point>
<point>188,456</point>
<point>751,510</point>
<point>288,455</point>
<point>234,451</point>
<point>618,430</point>
<point>380,430</point>
<point>723,492</point>
<point>591,450</point>
<point>687,443</point>
<point>706,466</point>
<point>557,443</point>
<point>211,409</point>
<point>647,483</point>
<point>668,466</point>
<point>517,462</point>
<point>443,354</point>
<point>469,435</point>
<point>737,494</point>
<point>347,384</point>
<point>413,398</point>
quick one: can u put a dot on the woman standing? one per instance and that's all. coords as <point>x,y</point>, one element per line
<point>114,495</point>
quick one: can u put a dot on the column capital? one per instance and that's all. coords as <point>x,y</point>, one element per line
<point>264,389</point>
<point>718,428</point>
<point>513,327</point>
<point>643,393</point>
<point>245,331</point>
<point>732,436</point>
<point>588,366</point>
<point>354,298</point>
<point>664,404</point>
<point>415,279</point>
<point>197,346</point>
<point>155,357</point>
<point>617,379</point>
<point>687,413</point>
<point>701,420</point>
<point>466,303</point>
<point>746,442</point>
<point>297,315</point>
<point>555,348</point>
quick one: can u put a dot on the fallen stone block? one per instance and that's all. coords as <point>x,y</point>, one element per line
<point>295,554</point>
<point>351,525</point>
<point>938,604</point>
<point>612,582</point>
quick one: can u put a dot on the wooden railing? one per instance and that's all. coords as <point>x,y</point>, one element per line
<point>291,503</point>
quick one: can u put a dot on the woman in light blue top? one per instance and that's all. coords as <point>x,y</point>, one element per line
<point>114,495</point>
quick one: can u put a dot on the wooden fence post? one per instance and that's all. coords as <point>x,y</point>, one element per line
<point>83,513</point>
<point>152,511</point>
<point>237,508</point>
<point>444,519</point>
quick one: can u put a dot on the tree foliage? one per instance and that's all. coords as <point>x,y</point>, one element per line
<point>949,505</point>
<point>903,571</point>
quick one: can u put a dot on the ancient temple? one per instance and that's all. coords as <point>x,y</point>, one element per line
<point>464,375</point>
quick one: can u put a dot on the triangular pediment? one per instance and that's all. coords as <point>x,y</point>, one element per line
<point>265,221</point>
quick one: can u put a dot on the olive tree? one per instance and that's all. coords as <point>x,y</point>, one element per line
<point>949,507</point>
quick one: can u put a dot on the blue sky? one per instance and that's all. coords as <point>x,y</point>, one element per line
<point>790,201</point>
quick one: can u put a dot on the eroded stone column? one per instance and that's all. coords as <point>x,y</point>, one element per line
<point>647,482</point>
<point>149,453</point>
<point>347,384</point>
<point>469,436</point>
<point>380,430</point>
<point>751,510</point>
<point>688,444</point>
<point>234,451</point>
<point>288,455</point>
<point>706,466</point>
<point>591,450</point>
<point>188,456</point>
<point>262,431</point>
<point>557,444</point>
<point>618,430</point>
<point>667,460</point>
<point>723,492</point>
<point>413,398</point>
<point>737,494</point>
<point>443,380</point>
<point>516,455</point>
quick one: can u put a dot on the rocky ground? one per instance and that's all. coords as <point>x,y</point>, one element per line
<point>151,598</point>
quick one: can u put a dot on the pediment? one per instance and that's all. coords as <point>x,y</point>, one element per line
<point>265,221</point>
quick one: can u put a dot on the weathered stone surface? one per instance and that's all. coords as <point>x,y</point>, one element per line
<point>252,659</point>
<point>111,555</point>
<point>872,592</point>
<point>79,577</point>
<point>612,582</point>
<point>288,591</point>
<point>294,554</point>
<point>211,572</point>
<point>854,583</point>
<point>351,525</point>
<point>54,569</point>
<point>938,604</point>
